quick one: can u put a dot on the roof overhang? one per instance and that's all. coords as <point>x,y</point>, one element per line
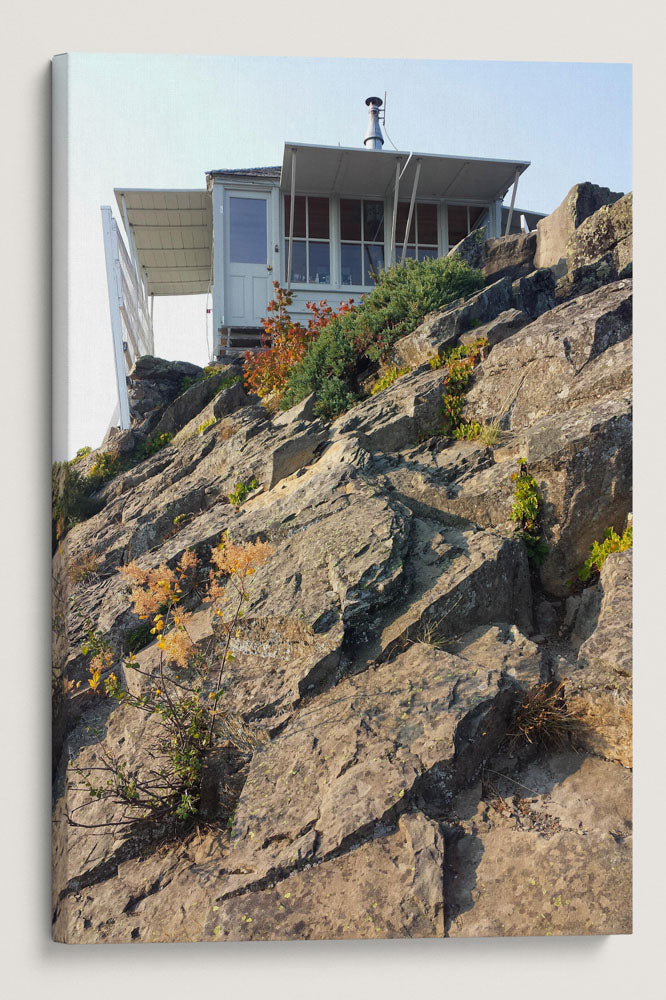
<point>371,173</point>
<point>172,232</point>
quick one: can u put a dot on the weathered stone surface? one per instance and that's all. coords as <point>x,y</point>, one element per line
<point>550,365</point>
<point>497,330</point>
<point>300,412</point>
<point>442,328</point>
<point>292,454</point>
<point>546,851</point>
<point>600,250</point>
<point>554,232</point>
<point>581,460</point>
<point>390,886</point>
<point>118,441</point>
<point>395,417</point>
<point>535,293</point>
<point>600,679</point>
<point>190,403</point>
<point>153,384</point>
<point>350,758</point>
<point>509,256</point>
<point>609,230</point>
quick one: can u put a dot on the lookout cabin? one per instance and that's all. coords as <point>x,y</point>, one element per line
<point>324,224</point>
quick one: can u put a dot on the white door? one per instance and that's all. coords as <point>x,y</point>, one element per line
<point>249,282</point>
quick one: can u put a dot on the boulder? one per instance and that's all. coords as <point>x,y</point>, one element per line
<point>509,256</point>
<point>296,414</point>
<point>471,249</point>
<point>554,232</point>
<point>396,416</point>
<point>293,454</point>
<point>153,384</point>
<point>600,250</point>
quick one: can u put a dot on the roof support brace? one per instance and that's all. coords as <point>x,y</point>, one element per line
<point>395,213</point>
<point>513,201</point>
<point>291,215</point>
<point>411,210</point>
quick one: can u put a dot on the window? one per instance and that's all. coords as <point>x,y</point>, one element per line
<point>311,248</point>
<point>247,229</point>
<point>422,241</point>
<point>362,240</point>
<point>463,219</point>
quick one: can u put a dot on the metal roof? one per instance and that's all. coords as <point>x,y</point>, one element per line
<point>173,235</point>
<point>353,171</point>
<point>249,171</point>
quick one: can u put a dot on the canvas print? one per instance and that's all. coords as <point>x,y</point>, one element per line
<point>342,499</point>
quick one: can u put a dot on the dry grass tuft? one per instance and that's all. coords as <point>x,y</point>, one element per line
<point>83,568</point>
<point>544,720</point>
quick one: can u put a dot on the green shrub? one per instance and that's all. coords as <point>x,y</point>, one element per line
<point>81,453</point>
<point>601,550</point>
<point>210,371</point>
<point>205,425</point>
<point>388,377</point>
<point>526,511</point>
<point>467,432</point>
<point>153,445</point>
<point>241,491</point>
<point>69,500</point>
<point>396,305</point>
<point>103,469</point>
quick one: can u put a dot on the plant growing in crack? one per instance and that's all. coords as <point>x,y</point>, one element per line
<point>526,511</point>
<point>185,694</point>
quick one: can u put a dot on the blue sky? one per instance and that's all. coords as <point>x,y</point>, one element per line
<point>162,121</point>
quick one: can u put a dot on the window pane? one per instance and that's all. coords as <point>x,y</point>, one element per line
<point>427,220</point>
<point>427,253</point>
<point>373,263</point>
<point>247,230</point>
<point>298,272</point>
<point>320,263</point>
<point>476,216</point>
<point>457,224</point>
<point>401,223</point>
<point>350,219</point>
<point>318,218</point>
<point>411,252</point>
<point>373,221</point>
<point>351,264</point>
<point>299,214</point>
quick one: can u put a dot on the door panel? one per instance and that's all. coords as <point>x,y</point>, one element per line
<point>247,241</point>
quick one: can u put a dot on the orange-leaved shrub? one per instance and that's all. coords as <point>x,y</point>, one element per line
<point>187,699</point>
<point>285,341</point>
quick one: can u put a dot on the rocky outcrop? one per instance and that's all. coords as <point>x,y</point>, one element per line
<point>555,231</point>
<point>509,257</point>
<point>600,250</point>
<point>390,645</point>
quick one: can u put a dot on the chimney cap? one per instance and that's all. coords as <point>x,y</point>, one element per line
<point>374,100</point>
